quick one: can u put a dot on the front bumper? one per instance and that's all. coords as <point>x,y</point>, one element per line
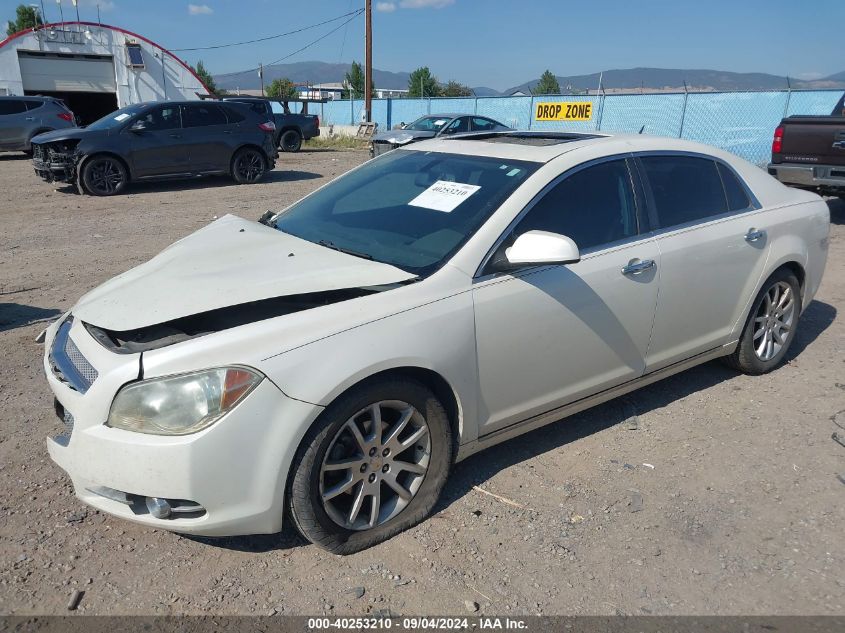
<point>821,177</point>
<point>235,470</point>
<point>53,165</point>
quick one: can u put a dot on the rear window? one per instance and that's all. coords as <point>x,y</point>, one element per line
<point>233,115</point>
<point>203,115</point>
<point>11,106</point>
<point>685,189</point>
<point>734,191</point>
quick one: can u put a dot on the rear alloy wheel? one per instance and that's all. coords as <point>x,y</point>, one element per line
<point>771,325</point>
<point>291,141</point>
<point>248,166</point>
<point>103,176</point>
<point>373,465</point>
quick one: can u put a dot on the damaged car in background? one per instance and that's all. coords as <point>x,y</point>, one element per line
<point>150,141</point>
<point>328,364</point>
<point>432,126</point>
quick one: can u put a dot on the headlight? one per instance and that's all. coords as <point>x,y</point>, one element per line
<point>179,405</point>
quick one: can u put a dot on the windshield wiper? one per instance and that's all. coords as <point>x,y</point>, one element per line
<point>348,251</point>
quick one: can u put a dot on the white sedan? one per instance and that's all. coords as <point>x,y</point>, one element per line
<point>330,363</point>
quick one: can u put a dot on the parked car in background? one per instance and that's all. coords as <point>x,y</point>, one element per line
<point>159,140</point>
<point>809,152</point>
<point>291,128</point>
<point>22,118</point>
<point>330,363</point>
<point>431,126</point>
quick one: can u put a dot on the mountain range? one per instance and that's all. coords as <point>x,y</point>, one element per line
<point>648,79</point>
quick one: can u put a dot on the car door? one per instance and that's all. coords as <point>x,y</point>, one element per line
<point>457,126</point>
<point>547,336</point>
<point>13,123</point>
<point>713,249</point>
<point>158,149</point>
<point>207,136</point>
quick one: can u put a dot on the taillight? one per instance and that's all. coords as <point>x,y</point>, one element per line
<point>268,126</point>
<point>66,116</point>
<point>777,141</point>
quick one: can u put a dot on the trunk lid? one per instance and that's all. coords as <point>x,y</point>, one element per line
<point>812,140</point>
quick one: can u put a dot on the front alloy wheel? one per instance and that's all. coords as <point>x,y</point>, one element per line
<point>103,176</point>
<point>372,465</point>
<point>375,465</point>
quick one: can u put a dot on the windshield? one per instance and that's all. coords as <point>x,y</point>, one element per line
<point>429,123</point>
<point>407,208</point>
<point>118,117</point>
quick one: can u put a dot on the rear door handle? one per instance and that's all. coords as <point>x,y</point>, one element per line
<point>30,118</point>
<point>175,136</point>
<point>754,234</point>
<point>635,268</point>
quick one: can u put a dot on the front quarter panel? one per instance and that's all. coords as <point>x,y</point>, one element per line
<point>438,336</point>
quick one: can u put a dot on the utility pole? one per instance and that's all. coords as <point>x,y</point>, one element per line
<point>368,64</point>
<point>261,75</point>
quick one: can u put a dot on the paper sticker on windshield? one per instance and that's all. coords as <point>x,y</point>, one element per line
<point>121,117</point>
<point>444,196</point>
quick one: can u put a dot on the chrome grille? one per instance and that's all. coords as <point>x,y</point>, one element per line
<point>68,363</point>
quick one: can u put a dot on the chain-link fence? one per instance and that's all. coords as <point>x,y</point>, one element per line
<point>739,122</point>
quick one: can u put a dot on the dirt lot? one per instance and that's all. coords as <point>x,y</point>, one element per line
<point>706,493</point>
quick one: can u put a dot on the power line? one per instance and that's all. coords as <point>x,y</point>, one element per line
<point>355,14</point>
<point>270,37</point>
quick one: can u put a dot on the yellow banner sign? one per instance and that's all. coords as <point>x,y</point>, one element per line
<point>564,111</point>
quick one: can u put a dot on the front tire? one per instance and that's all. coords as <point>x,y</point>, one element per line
<point>373,465</point>
<point>248,166</point>
<point>771,325</point>
<point>290,141</point>
<point>103,176</point>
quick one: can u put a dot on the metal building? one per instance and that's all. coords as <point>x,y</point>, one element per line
<point>95,68</point>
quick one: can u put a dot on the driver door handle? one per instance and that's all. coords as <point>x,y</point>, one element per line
<point>754,234</point>
<point>635,268</point>
<point>175,136</point>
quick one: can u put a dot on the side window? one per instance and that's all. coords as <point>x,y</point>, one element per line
<point>593,206</point>
<point>734,191</point>
<point>458,125</point>
<point>33,104</point>
<point>202,115</point>
<point>482,125</point>
<point>233,115</point>
<point>685,189</point>
<point>11,106</point>
<point>164,118</point>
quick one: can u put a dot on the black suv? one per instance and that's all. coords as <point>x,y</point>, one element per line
<point>159,140</point>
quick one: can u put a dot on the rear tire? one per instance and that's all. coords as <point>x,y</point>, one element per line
<point>248,166</point>
<point>771,325</point>
<point>290,141</point>
<point>103,176</point>
<point>417,459</point>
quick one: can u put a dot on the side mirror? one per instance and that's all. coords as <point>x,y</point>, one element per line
<point>138,126</point>
<point>536,248</point>
<point>402,125</point>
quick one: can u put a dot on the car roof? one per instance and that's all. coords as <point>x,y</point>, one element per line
<point>542,147</point>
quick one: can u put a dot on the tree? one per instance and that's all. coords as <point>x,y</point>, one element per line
<point>207,79</point>
<point>282,89</point>
<point>422,83</point>
<point>353,82</point>
<point>455,89</point>
<point>547,85</point>
<point>25,18</point>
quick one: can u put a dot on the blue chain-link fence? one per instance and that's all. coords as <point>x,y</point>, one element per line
<point>739,122</point>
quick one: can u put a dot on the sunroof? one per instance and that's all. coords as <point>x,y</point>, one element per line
<point>535,139</point>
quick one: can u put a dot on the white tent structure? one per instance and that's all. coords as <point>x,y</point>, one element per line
<point>95,68</point>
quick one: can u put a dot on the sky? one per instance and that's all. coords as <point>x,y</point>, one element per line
<point>494,43</point>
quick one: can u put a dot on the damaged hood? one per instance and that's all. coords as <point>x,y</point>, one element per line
<point>400,137</point>
<point>68,134</point>
<point>229,262</point>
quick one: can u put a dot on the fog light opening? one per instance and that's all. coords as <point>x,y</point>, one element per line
<point>159,508</point>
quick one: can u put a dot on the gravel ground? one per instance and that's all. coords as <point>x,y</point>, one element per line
<point>707,493</point>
